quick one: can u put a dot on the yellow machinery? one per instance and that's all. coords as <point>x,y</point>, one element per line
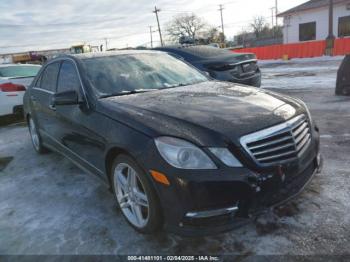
<point>79,49</point>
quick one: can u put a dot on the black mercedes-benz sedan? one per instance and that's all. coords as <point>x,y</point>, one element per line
<point>179,151</point>
<point>220,64</point>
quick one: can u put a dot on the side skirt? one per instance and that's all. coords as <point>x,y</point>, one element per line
<point>73,157</point>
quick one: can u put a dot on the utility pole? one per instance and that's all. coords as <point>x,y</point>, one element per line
<point>222,23</point>
<point>273,15</point>
<point>150,31</point>
<point>106,42</point>
<point>330,39</point>
<point>272,21</point>
<point>160,32</point>
<point>330,18</point>
<point>276,9</point>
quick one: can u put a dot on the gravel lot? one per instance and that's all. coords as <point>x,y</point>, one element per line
<point>49,206</point>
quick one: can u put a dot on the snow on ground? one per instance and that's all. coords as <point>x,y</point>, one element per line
<point>308,73</point>
<point>49,206</point>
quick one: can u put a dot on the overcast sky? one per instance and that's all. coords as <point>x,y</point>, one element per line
<point>35,24</point>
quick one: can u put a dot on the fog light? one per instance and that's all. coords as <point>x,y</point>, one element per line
<point>318,159</point>
<point>319,163</point>
<point>212,213</point>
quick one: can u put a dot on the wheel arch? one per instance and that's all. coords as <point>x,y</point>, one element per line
<point>26,117</point>
<point>116,151</point>
<point>112,153</point>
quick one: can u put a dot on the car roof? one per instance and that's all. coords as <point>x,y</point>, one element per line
<point>8,65</point>
<point>200,51</point>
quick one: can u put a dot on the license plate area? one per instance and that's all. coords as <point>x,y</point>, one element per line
<point>249,67</point>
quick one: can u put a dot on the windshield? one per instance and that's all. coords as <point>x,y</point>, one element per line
<point>19,71</point>
<point>123,74</point>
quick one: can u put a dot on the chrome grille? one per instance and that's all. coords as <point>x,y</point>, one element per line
<point>279,143</point>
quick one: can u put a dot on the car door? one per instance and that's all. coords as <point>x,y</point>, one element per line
<point>40,96</point>
<point>74,127</point>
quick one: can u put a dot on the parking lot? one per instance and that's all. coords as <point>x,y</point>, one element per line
<point>49,206</point>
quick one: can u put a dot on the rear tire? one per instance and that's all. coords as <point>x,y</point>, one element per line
<point>342,91</point>
<point>135,195</point>
<point>35,137</point>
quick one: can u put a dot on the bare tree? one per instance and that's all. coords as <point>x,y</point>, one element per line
<point>259,26</point>
<point>244,35</point>
<point>185,25</point>
<point>213,35</point>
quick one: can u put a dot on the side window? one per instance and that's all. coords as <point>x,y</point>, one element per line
<point>38,81</point>
<point>49,77</point>
<point>68,79</point>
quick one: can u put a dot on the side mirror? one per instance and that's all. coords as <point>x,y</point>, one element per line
<point>65,98</point>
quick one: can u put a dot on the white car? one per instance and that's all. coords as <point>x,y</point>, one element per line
<point>14,79</point>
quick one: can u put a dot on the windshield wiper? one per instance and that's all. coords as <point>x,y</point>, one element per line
<point>175,85</point>
<point>127,92</point>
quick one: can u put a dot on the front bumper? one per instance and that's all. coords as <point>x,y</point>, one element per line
<point>204,202</point>
<point>246,209</point>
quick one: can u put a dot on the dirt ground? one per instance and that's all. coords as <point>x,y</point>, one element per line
<point>49,206</point>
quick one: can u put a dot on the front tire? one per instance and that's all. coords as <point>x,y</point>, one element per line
<point>135,195</point>
<point>35,137</point>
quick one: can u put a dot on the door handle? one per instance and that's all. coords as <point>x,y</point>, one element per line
<point>33,98</point>
<point>52,107</point>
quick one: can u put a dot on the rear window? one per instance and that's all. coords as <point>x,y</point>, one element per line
<point>206,51</point>
<point>19,71</point>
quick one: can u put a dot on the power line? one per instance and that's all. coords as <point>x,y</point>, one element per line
<point>208,7</point>
<point>246,21</point>
<point>64,42</point>
<point>156,11</point>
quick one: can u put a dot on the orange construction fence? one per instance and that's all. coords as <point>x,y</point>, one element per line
<point>342,46</point>
<point>298,50</point>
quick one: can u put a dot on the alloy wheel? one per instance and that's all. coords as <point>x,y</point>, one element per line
<point>34,134</point>
<point>131,195</point>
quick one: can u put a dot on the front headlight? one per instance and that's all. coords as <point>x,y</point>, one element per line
<point>308,113</point>
<point>226,157</point>
<point>182,154</point>
<point>306,109</point>
<point>286,111</point>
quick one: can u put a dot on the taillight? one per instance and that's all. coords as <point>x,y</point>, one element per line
<point>11,87</point>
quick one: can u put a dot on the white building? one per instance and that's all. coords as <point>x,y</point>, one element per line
<point>309,21</point>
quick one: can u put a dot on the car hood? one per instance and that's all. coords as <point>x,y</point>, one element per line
<point>210,113</point>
